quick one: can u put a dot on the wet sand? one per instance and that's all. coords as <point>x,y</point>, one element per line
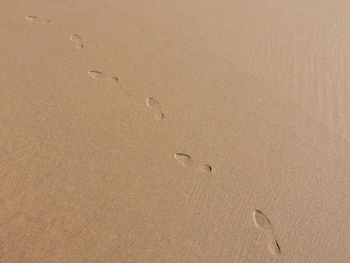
<point>174,131</point>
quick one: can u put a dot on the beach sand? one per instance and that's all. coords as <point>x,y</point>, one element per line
<point>174,131</point>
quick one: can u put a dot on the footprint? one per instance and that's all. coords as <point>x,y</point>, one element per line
<point>183,159</point>
<point>77,40</point>
<point>95,74</point>
<point>261,221</point>
<point>154,104</point>
<point>205,168</point>
<point>31,18</point>
<point>274,247</point>
<point>186,160</point>
<point>99,75</point>
<point>159,115</point>
<point>113,79</point>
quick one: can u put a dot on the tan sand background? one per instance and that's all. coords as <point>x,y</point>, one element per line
<point>255,91</point>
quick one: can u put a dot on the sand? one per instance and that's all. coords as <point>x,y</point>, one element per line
<point>174,131</point>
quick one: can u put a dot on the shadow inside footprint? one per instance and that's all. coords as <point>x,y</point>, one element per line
<point>183,159</point>
<point>261,221</point>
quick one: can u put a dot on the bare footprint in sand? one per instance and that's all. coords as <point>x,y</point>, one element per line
<point>33,19</point>
<point>274,247</point>
<point>113,79</point>
<point>99,75</point>
<point>159,115</point>
<point>186,160</point>
<point>77,40</point>
<point>261,221</point>
<point>155,105</point>
<point>206,168</point>
<point>95,74</point>
<point>183,159</point>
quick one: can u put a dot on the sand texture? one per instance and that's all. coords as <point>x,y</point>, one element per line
<point>192,131</point>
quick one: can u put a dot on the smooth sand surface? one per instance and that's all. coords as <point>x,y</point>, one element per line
<point>174,131</point>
